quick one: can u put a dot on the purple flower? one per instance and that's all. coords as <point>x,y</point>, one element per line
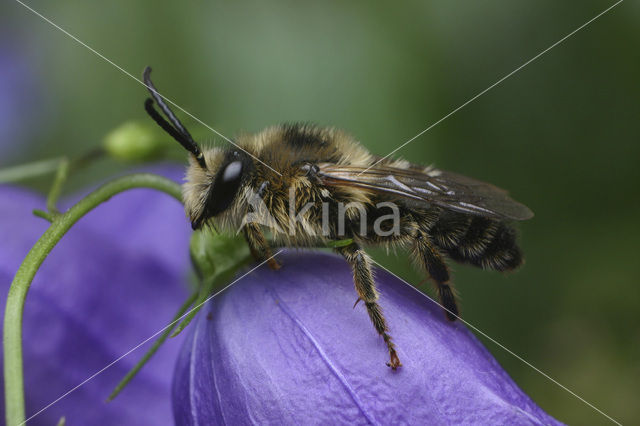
<point>115,279</point>
<point>286,347</point>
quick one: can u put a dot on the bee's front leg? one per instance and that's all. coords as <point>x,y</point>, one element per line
<point>366,288</point>
<point>258,245</point>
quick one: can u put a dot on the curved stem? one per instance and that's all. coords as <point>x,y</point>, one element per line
<point>12,332</point>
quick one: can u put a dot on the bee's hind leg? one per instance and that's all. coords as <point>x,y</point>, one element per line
<point>430,259</point>
<point>259,246</point>
<point>365,286</point>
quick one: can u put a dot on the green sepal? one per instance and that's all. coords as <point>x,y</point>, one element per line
<point>216,258</point>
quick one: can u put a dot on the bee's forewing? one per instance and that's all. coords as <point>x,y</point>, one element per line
<point>445,189</point>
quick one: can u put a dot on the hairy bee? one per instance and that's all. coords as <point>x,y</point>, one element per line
<point>310,186</point>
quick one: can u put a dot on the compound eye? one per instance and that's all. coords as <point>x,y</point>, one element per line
<point>232,172</point>
<point>224,189</point>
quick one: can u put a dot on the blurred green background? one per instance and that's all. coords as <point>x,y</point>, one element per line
<point>561,135</point>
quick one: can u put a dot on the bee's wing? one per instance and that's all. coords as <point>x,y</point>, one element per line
<point>445,189</point>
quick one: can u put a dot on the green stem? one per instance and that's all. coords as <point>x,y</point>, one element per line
<point>156,345</point>
<point>29,170</point>
<point>12,338</point>
<point>43,167</point>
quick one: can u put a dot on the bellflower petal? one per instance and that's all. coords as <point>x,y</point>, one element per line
<point>114,280</point>
<point>286,347</point>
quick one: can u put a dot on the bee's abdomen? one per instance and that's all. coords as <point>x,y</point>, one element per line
<point>476,240</point>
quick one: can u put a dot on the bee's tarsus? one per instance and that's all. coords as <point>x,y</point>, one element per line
<point>273,264</point>
<point>394,361</point>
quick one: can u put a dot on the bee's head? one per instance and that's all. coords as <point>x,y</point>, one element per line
<point>211,191</point>
<point>214,178</point>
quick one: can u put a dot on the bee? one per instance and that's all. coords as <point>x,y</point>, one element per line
<point>310,186</point>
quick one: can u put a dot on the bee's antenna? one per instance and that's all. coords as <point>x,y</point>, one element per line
<point>173,127</point>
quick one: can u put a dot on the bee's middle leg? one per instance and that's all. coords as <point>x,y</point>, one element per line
<point>258,245</point>
<point>365,286</point>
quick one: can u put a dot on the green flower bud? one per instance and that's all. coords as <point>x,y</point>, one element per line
<point>133,141</point>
